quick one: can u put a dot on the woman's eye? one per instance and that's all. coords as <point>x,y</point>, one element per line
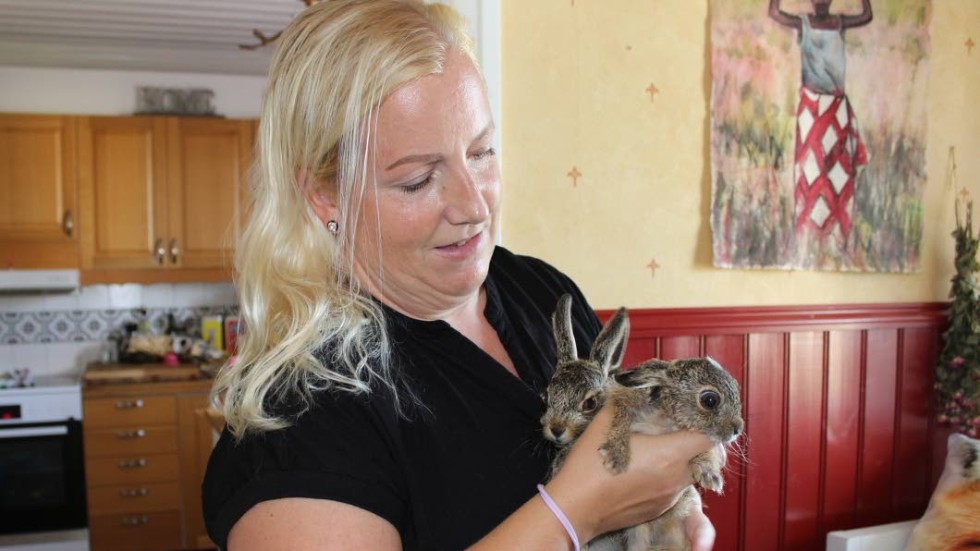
<point>412,188</point>
<point>485,153</point>
<point>709,399</point>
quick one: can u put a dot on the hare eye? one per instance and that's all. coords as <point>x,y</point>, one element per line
<point>709,399</point>
<point>589,404</point>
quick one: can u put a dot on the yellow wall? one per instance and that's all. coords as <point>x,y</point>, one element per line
<point>573,93</point>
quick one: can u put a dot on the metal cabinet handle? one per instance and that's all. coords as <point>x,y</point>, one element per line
<point>131,404</point>
<point>135,521</point>
<point>159,252</point>
<point>68,223</point>
<point>133,463</point>
<point>174,251</point>
<point>133,492</point>
<point>130,434</point>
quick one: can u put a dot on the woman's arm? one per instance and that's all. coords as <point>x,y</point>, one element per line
<point>865,17</point>
<point>302,524</point>
<point>594,500</point>
<point>783,18</point>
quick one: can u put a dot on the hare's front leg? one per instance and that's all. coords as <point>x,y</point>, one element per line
<point>616,451</point>
<point>706,469</point>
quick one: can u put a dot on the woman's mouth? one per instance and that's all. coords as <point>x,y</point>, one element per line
<point>462,247</point>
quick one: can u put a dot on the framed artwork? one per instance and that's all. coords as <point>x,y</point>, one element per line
<point>818,129</point>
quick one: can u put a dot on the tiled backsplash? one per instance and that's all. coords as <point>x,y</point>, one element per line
<point>49,326</point>
<point>58,334</point>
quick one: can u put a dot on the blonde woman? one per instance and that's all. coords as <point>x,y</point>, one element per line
<point>386,395</point>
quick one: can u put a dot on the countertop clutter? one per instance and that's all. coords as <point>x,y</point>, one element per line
<point>148,433</point>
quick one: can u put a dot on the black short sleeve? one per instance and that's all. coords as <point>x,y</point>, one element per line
<point>338,450</point>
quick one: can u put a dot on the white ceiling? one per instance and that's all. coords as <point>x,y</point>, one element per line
<point>145,35</point>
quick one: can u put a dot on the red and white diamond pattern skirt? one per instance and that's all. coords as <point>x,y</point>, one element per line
<point>829,152</point>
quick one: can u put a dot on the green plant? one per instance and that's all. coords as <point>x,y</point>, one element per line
<point>958,370</point>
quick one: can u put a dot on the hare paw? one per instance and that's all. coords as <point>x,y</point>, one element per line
<point>708,479</point>
<point>615,457</point>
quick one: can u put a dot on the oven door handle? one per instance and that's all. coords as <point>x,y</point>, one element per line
<point>32,431</point>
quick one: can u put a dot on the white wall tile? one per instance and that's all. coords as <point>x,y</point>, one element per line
<point>32,356</point>
<point>158,296</point>
<point>7,355</point>
<point>21,303</point>
<point>125,296</point>
<point>61,301</point>
<point>93,297</point>
<point>203,294</point>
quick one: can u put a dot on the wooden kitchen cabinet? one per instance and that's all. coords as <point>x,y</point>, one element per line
<point>38,192</point>
<point>146,448</point>
<point>161,197</point>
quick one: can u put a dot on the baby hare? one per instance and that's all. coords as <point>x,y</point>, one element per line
<point>576,391</point>
<point>656,397</point>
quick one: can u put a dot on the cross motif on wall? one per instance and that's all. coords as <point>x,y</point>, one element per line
<point>574,174</point>
<point>969,45</point>
<point>652,90</point>
<point>653,266</point>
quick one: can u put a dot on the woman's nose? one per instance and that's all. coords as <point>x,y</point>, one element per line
<point>465,202</point>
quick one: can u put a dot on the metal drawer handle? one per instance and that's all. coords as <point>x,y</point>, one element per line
<point>132,463</point>
<point>68,223</point>
<point>130,434</point>
<point>159,253</point>
<point>174,251</point>
<point>135,521</point>
<point>134,492</point>
<point>132,404</point>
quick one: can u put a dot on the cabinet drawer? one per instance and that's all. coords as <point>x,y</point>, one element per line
<point>130,441</point>
<point>130,410</point>
<point>133,498</point>
<point>130,469</point>
<point>148,532</point>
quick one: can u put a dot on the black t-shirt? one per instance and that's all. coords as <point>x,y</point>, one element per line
<point>444,475</point>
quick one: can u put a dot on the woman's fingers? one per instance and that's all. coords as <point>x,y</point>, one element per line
<point>700,532</point>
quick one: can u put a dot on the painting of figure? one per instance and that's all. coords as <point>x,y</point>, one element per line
<point>818,133</point>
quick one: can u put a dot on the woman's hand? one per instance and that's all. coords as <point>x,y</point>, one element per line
<point>700,532</point>
<point>597,501</point>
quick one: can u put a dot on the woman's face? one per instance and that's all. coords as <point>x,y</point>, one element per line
<point>427,227</point>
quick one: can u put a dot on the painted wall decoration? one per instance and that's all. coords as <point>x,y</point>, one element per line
<point>818,132</point>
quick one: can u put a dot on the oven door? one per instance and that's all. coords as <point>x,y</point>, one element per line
<point>42,477</point>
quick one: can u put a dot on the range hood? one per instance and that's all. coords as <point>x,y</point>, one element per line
<point>38,281</point>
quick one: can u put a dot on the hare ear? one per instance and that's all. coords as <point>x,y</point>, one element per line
<point>647,375</point>
<point>610,346</point>
<point>561,322</point>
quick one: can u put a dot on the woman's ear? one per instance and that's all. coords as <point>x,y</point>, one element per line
<point>318,197</point>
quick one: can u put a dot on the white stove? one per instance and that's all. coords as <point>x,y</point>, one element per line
<point>49,399</point>
<point>42,481</point>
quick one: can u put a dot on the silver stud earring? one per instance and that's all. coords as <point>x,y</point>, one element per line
<point>333,227</point>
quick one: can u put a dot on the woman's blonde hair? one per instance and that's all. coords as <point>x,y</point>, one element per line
<point>307,324</point>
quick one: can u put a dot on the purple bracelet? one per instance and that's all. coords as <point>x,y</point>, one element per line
<point>560,515</point>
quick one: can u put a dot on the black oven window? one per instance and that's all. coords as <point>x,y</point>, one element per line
<point>42,477</point>
<point>32,474</point>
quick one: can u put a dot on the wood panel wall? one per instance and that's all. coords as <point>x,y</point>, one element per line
<point>837,402</point>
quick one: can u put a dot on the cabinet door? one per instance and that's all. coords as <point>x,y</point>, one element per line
<point>208,163</point>
<point>37,192</point>
<point>123,174</point>
<point>199,431</point>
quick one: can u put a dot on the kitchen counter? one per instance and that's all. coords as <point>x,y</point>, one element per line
<point>105,380</point>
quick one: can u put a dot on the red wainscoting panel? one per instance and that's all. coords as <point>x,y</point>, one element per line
<point>837,404</point>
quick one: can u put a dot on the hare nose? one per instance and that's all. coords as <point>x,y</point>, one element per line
<point>737,428</point>
<point>557,432</point>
